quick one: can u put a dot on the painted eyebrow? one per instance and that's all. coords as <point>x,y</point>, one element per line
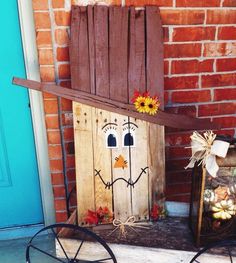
<point>109,123</point>
<point>129,122</point>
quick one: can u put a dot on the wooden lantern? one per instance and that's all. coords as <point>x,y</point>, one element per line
<point>206,201</point>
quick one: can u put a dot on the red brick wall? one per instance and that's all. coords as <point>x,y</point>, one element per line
<point>200,67</point>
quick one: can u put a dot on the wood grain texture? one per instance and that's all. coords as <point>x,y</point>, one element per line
<point>91,45</point>
<point>162,118</point>
<point>118,53</point>
<point>102,50</point>
<point>136,70</point>
<point>121,191</point>
<point>84,153</point>
<point>102,158</point>
<point>138,161</point>
<point>83,53</point>
<point>73,45</point>
<point>154,49</point>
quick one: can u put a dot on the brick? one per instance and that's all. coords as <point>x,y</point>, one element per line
<point>45,57</point>
<point>57,179</point>
<point>65,84</point>
<point>60,204</point>
<point>66,105</point>
<point>50,106</point>
<point>58,3</point>
<point>71,174</point>
<point>61,37</point>
<point>63,54</point>
<point>217,109</point>
<point>183,82</point>
<point>191,66</point>
<point>226,64</point>
<point>226,132</point>
<point>178,189</point>
<point>221,16</point>
<point>179,198</point>
<point>219,49</point>
<point>180,177</point>
<point>184,110</point>
<point>48,96</point>
<point>182,17</point>
<point>177,139</point>
<point>56,165</point>
<point>193,33</point>
<point>59,191</point>
<point>191,97</point>
<point>47,74</point>
<point>64,71</point>
<point>218,80</point>
<point>70,161</point>
<point>229,3</point>
<point>226,122</point>
<point>68,134</point>
<point>43,39</point>
<point>166,97</point>
<point>148,2</point>
<point>70,148</point>
<point>52,122</point>
<point>54,137</point>
<point>61,217</point>
<point>40,5</point>
<point>62,18</point>
<point>42,20</point>
<point>165,34</point>
<point>182,50</point>
<point>199,3</point>
<point>227,32</point>
<point>166,67</point>
<point>55,151</point>
<point>177,152</point>
<point>224,94</point>
<point>67,118</point>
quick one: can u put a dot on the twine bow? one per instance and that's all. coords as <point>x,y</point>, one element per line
<point>205,149</point>
<point>130,223</point>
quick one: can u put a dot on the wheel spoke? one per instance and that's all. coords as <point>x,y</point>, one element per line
<point>60,244</point>
<point>46,253</point>
<point>77,252</point>
<point>101,260</point>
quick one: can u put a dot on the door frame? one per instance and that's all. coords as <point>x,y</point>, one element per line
<point>28,36</point>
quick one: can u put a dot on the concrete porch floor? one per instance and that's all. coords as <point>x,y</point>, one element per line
<point>13,251</point>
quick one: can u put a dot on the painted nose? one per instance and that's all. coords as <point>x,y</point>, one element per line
<point>120,162</point>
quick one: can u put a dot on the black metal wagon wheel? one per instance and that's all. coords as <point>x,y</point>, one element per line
<point>68,244</point>
<point>218,252</point>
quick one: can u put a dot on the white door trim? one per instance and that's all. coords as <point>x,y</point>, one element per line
<point>37,111</point>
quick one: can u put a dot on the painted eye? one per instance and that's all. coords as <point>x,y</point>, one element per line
<point>110,130</point>
<point>128,136</point>
<point>128,139</point>
<point>111,141</point>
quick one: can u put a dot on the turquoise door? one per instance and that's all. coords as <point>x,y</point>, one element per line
<point>20,200</point>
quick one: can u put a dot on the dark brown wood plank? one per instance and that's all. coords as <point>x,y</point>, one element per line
<point>137,72</point>
<point>154,50</point>
<point>91,45</point>
<point>101,50</point>
<point>118,53</point>
<point>73,46</point>
<point>162,118</point>
<point>83,83</point>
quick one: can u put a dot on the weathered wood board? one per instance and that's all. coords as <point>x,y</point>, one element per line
<point>124,53</point>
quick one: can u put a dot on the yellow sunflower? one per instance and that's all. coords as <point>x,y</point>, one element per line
<point>140,104</point>
<point>151,105</point>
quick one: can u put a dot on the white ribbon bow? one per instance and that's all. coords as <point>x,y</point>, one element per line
<point>205,149</point>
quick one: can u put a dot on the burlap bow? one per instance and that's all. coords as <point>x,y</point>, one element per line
<point>205,149</point>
